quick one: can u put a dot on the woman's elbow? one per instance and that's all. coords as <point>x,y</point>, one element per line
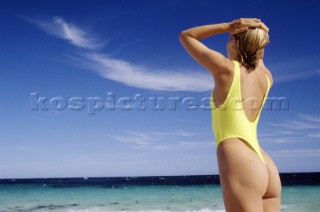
<point>183,36</point>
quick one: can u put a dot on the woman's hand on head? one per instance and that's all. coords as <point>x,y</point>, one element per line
<point>243,24</point>
<point>264,27</point>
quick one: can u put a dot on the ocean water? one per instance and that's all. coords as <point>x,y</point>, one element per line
<point>301,192</point>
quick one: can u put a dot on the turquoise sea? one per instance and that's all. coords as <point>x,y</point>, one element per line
<point>180,193</point>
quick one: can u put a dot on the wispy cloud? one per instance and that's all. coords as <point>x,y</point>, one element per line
<point>105,159</point>
<point>296,76</point>
<point>184,145</point>
<point>140,76</point>
<point>294,125</point>
<point>295,69</point>
<point>135,138</point>
<point>310,118</point>
<point>161,140</point>
<point>303,122</point>
<point>304,128</point>
<point>59,28</point>
<point>314,135</point>
<point>296,153</point>
<point>123,71</point>
<point>287,137</point>
<point>142,138</point>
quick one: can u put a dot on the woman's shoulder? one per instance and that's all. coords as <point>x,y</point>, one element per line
<point>266,71</point>
<point>269,74</point>
<point>225,74</point>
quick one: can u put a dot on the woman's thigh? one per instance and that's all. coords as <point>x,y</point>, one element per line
<point>243,176</point>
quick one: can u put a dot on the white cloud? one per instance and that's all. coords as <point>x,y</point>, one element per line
<point>133,138</point>
<point>122,71</point>
<point>140,76</point>
<point>59,28</point>
<point>305,128</point>
<point>147,78</point>
<point>314,135</point>
<point>296,153</point>
<point>295,76</point>
<point>311,118</point>
<point>183,145</point>
<point>162,140</point>
<point>184,133</point>
<point>197,144</point>
<point>306,122</point>
<point>294,125</point>
<point>295,69</point>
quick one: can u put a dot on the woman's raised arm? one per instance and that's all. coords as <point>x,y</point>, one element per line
<point>214,61</point>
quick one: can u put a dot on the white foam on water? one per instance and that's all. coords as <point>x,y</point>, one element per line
<point>106,210</point>
<point>94,209</point>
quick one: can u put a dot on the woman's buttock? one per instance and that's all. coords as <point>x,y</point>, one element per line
<point>240,163</point>
<point>274,183</point>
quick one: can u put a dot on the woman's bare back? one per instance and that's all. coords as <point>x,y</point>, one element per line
<point>253,89</point>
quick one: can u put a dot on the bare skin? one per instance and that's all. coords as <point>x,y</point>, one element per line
<point>247,183</point>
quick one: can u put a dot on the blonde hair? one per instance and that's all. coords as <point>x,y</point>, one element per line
<point>249,46</point>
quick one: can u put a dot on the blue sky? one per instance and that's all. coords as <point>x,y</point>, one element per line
<point>67,51</point>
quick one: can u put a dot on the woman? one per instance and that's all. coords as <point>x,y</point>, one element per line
<point>249,178</point>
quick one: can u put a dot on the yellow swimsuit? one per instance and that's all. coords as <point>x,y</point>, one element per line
<point>229,120</point>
